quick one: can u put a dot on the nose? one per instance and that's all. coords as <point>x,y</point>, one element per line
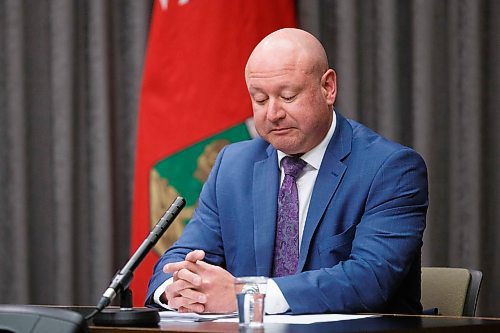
<point>275,111</point>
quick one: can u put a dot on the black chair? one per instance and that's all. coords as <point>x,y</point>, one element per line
<point>453,291</point>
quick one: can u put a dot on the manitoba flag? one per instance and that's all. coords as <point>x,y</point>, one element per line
<point>193,102</point>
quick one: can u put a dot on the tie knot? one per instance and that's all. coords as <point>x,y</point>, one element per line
<point>292,165</point>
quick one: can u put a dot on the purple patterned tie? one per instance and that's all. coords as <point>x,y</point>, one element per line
<point>286,246</point>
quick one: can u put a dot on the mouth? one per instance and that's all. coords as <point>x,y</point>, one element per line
<point>283,130</point>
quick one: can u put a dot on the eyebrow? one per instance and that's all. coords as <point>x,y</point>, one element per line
<point>285,86</point>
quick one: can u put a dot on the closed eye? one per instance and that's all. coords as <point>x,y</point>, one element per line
<point>260,101</point>
<point>288,98</point>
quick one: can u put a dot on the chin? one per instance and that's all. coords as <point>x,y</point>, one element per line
<point>287,150</point>
<point>289,147</point>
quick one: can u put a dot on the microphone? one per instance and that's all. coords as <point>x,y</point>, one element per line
<point>122,279</point>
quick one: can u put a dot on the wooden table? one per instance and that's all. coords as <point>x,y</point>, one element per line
<point>382,323</point>
<point>379,323</point>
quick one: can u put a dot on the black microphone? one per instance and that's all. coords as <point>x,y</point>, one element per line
<point>122,279</point>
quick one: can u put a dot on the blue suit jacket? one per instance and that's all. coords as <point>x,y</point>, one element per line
<point>362,239</point>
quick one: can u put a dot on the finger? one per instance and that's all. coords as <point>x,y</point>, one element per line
<point>189,276</point>
<point>195,255</point>
<point>198,308</point>
<point>205,264</point>
<point>173,289</point>
<point>176,266</point>
<point>194,295</point>
<point>177,302</point>
<point>186,304</point>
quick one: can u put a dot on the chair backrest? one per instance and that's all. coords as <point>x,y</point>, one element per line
<point>453,291</point>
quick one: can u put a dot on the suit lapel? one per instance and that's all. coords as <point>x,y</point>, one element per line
<point>329,176</point>
<point>265,196</point>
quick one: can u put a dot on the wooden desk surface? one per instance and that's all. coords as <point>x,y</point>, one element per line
<point>393,324</point>
<point>382,323</point>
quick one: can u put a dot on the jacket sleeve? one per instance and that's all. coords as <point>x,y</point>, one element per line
<point>201,233</point>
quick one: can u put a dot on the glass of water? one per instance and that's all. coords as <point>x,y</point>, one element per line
<point>250,295</point>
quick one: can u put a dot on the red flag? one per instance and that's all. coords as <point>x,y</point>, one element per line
<point>193,101</point>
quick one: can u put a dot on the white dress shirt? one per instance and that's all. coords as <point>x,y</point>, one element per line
<point>275,301</point>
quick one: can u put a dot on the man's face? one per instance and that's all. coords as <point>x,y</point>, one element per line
<point>292,107</point>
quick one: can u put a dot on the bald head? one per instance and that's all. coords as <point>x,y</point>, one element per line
<point>289,47</point>
<point>292,90</point>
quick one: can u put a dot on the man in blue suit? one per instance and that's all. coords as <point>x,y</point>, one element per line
<point>362,203</point>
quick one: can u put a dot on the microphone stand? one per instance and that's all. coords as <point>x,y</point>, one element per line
<point>126,315</point>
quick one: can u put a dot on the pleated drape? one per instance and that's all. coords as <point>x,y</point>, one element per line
<point>70,74</point>
<point>426,73</point>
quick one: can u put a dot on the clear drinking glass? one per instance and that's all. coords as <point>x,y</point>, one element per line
<point>250,296</point>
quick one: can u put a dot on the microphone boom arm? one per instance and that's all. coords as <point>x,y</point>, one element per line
<point>122,279</point>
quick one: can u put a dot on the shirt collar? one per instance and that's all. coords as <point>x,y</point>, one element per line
<point>314,156</point>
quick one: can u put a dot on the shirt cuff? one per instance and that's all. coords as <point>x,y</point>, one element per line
<point>275,301</point>
<point>159,291</point>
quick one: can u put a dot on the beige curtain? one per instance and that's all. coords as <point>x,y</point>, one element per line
<point>423,72</point>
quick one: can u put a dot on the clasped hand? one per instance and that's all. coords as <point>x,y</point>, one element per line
<point>199,287</point>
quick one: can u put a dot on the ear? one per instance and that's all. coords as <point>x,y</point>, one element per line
<point>329,86</point>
